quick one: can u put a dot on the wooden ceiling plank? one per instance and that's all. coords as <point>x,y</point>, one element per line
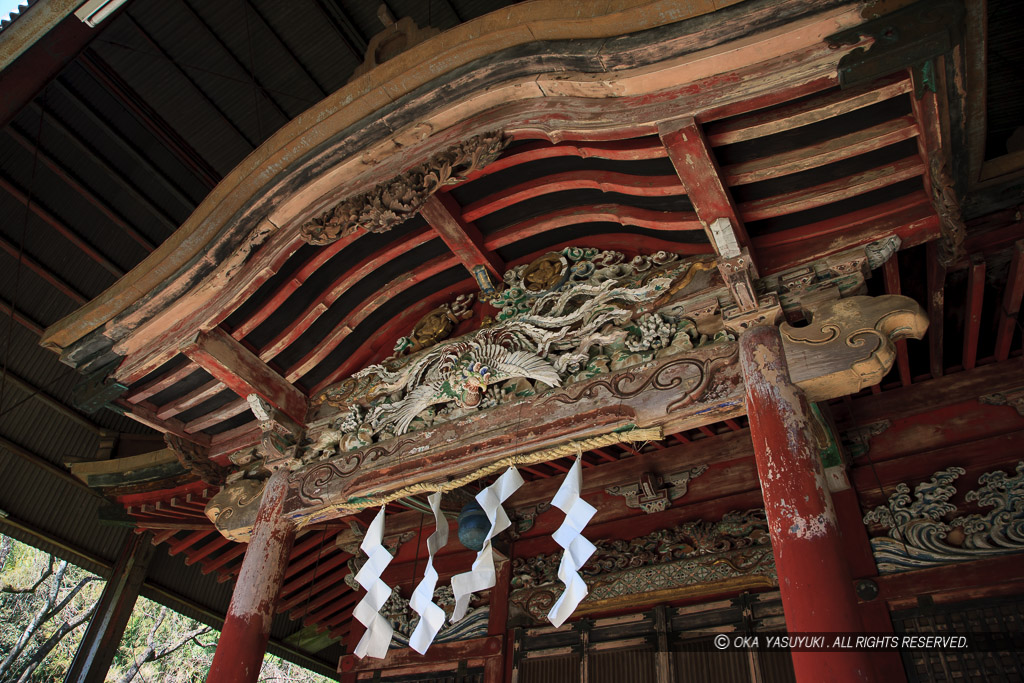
<point>327,565</point>
<point>349,279</point>
<point>383,339</point>
<point>160,383</point>
<point>287,288</point>
<point>936,276</point>
<point>911,218</point>
<point>1009,311</point>
<point>814,156</point>
<point>223,559</point>
<point>606,181</point>
<point>145,413</point>
<point>972,317</point>
<point>243,372</point>
<point>323,579</point>
<point>191,399</point>
<point>631,149</point>
<point>387,292</point>
<point>598,213</point>
<point>324,593</point>
<point>463,238</point>
<point>214,417</point>
<point>801,113</point>
<point>891,272</point>
<point>201,553</point>
<point>189,541</point>
<point>833,191</point>
<point>699,173</point>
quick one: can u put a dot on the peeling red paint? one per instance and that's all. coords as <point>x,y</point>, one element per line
<point>814,578</point>
<point>243,640</point>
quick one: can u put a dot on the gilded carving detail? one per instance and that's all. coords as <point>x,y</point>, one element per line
<point>397,200</point>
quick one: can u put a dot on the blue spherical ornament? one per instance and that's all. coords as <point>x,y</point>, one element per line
<point>473,526</point>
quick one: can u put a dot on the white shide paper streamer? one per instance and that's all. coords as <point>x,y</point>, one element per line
<point>377,639</point>
<point>482,576</point>
<point>578,549</point>
<point>422,600</point>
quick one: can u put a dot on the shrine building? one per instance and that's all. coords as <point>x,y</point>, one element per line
<point>560,340</point>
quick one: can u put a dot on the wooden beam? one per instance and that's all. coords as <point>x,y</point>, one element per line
<point>216,416</point>
<point>699,173</point>
<point>972,319</point>
<point>190,400</point>
<point>980,573</point>
<point>1009,319</point>
<point>891,271</point>
<point>243,372</point>
<point>451,653</point>
<point>805,111</point>
<point>463,238</point>
<point>145,412</point>
<point>936,305</point>
<point>935,393</point>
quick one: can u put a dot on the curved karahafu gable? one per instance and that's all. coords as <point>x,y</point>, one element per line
<point>515,72</point>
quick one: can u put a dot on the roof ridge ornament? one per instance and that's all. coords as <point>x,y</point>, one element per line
<point>394,201</point>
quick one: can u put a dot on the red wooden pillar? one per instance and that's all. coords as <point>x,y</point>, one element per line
<point>243,640</point>
<point>814,577</point>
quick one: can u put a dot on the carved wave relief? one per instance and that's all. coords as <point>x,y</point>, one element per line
<point>919,535</point>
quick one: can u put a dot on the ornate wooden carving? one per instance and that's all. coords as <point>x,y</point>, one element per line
<point>692,558</point>
<point>951,219</point>
<point>1013,398</point>
<point>850,344</point>
<point>918,535</point>
<point>395,201</point>
<point>654,493</point>
<point>233,510</point>
<point>196,460</point>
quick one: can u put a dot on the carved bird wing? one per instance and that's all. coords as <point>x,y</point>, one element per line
<point>415,402</point>
<point>507,364</point>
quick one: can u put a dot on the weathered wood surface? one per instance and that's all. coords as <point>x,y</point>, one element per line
<point>679,392</point>
<point>462,237</point>
<point>168,308</point>
<point>243,372</point>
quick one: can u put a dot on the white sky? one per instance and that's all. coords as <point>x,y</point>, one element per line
<point>8,6</point>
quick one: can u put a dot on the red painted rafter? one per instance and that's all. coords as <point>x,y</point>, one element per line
<point>217,416</point>
<point>606,181</point>
<point>227,360</point>
<point>160,383</point>
<point>891,271</point>
<point>597,213</point>
<point>281,294</point>
<point>833,191</point>
<point>631,149</point>
<point>1010,309</point>
<point>443,214</point>
<point>350,278</point>
<point>191,399</point>
<point>972,317</point>
<point>814,156</point>
<point>699,173</point>
<point>805,111</point>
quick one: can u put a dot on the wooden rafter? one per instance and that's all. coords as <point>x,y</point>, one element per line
<point>700,174</point>
<point>243,372</point>
<point>463,238</point>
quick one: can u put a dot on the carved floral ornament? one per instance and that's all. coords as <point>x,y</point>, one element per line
<point>395,201</point>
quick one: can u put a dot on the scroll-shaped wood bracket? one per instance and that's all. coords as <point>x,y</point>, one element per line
<point>233,510</point>
<point>850,343</point>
